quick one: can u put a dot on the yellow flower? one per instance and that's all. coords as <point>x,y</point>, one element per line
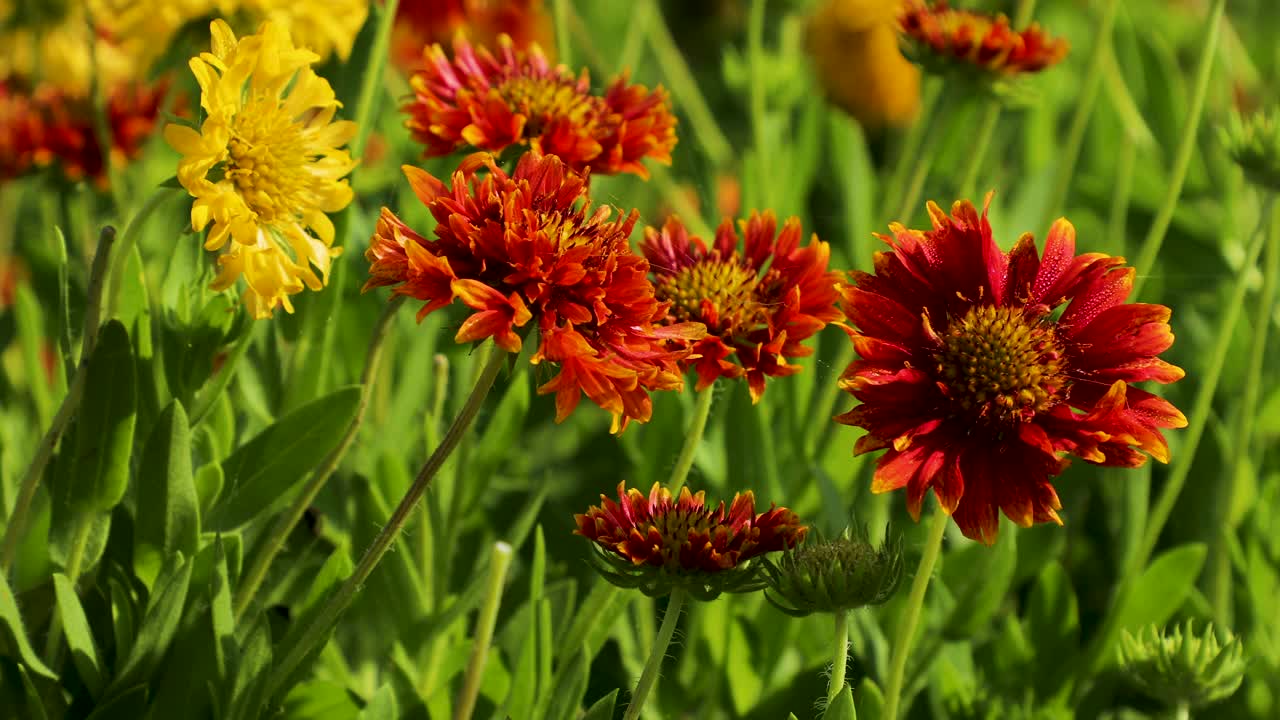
<point>325,26</point>
<point>265,166</point>
<point>854,46</point>
<point>56,45</point>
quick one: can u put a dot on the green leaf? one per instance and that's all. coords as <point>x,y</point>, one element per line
<point>336,569</point>
<point>222,615</point>
<point>208,482</point>
<point>34,703</point>
<point>602,709</point>
<point>159,625</point>
<point>168,516</point>
<point>128,705</point>
<point>122,618</point>
<point>32,339</point>
<point>566,700</point>
<point>261,474</point>
<point>13,634</point>
<point>382,706</point>
<point>75,626</point>
<point>870,698</point>
<point>1162,588</point>
<point>104,438</point>
<point>841,708</point>
<point>1053,620</point>
<point>320,700</point>
<point>980,577</point>
<point>505,427</point>
<point>247,694</point>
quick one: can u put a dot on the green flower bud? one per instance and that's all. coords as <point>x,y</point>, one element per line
<point>834,575</point>
<point>1182,667</point>
<point>1253,142</point>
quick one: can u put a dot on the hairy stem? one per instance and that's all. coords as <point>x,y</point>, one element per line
<point>659,651</point>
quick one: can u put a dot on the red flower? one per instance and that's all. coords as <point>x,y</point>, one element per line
<point>517,97</point>
<point>515,248</point>
<point>973,386</point>
<point>760,298</point>
<point>21,131</point>
<point>420,23</point>
<point>686,539</point>
<point>978,39</point>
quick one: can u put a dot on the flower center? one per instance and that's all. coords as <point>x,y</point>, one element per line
<point>1001,365</point>
<point>675,526</point>
<point>728,287</point>
<point>268,160</point>
<point>541,99</point>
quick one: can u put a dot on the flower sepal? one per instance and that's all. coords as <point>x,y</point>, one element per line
<point>834,575</point>
<point>657,582</point>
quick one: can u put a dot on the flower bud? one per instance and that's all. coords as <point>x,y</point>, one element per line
<point>1182,667</point>
<point>834,575</point>
<point>1253,142</point>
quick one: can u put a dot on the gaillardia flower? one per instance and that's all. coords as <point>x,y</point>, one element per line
<point>856,57</point>
<point>977,387</point>
<point>529,247</point>
<point>658,543</point>
<point>760,297</point>
<point>420,23</point>
<point>835,575</point>
<point>945,39</point>
<point>491,102</point>
<point>265,166</point>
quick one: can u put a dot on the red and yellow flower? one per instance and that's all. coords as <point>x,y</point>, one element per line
<point>658,542</point>
<point>944,37</point>
<point>760,296</point>
<point>420,23</point>
<point>517,97</point>
<point>528,247</point>
<point>975,384</point>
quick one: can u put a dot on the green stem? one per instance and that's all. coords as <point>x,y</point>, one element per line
<point>17,521</point>
<point>656,654</point>
<point>275,539</point>
<point>128,239</point>
<point>75,559</point>
<point>928,152</point>
<point>315,633</point>
<point>436,582</point>
<point>685,88</point>
<point>209,395</point>
<point>637,29</point>
<point>500,561</point>
<point>1121,196</point>
<point>1186,147</point>
<point>692,439</point>
<point>840,657</point>
<point>986,131</point>
<point>367,100</point>
<point>564,50</point>
<point>1183,711</point>
<point>1084,110</point>
<point>911,614</point>
<point>908,154</point>
<point>757,102</point>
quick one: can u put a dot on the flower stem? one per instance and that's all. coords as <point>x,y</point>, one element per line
<point>320,626</point>
<point>986,131</point>
<point>1186,147</point>
<point>840,658</point>
<point>17,521</point>
<point>367,100</point>
<point>1084,111</point>
<point>756,100</point>
<point>928,152</point>
<point>75,559</point>
<point>564,50</point>
<point>128,239</point>
<point>911,616</point>
<point>275,539</point>
<point>499,562</point>
<point>692,439</point>
<point>684,87</point>
<point>656,654</point>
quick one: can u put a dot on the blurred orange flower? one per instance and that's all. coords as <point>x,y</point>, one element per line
<point>421,23</point>
<point>854,46</point>
<point>945,38</point>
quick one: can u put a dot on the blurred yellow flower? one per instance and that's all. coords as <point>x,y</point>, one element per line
<point>854,45</point>
<point>56,45</point>
<point>265,166</point>
<point>327,27</point>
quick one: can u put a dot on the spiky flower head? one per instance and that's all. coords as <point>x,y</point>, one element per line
<point>834,575</point>
<point>530,248</point>
<point>658,543</point>
<point>760,295</point>
<point>1183,667</point>
<point>492,101</point>
<point>976,385</point>
<point>266,165</point>
<point>1253,142</point>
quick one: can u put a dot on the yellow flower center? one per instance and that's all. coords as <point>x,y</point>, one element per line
<point>268,160</point>
<point>728,286</point>
<point>540,99</point>
<point>1001,365</point>
<point>675,526</point>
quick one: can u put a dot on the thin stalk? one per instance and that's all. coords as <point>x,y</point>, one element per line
<point>908,154</point>
<point>275,539</point>
<point>692,438</point>
<point>656,654</point>
<point>637,29</point>
<point>500,561</point>
<point>685,88</point>
<point>315,633</point>
<point>205,400</point>
<point>17,521</point>
<point>367,100</point>
<point>564,50</point>
<point>928,151</point>
<point>756,101</point>
<point>1186,146</point>
<point>1121,196</point>
<point>426,532</point>
<point>128,239</point>
<point>1084,110</point>
<point>840,657</point>
<point>75,559</point>
<point>911,617</point>
<point>986,131</point>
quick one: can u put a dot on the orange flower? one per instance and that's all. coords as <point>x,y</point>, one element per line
<point>420,23</point>
<point>517,97</point>
<point>760,298</point>
<point>976,386</point>
<point>854,46</point>
<point>530,246</point>
<point>944,37</point>
<point>21,131</point>
<point>658,543</point>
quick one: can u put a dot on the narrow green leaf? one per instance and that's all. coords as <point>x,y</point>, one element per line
<point>79,637</point>
<point>980,577</point>
<point>168,517</point>
<point>602,709</point>
<point>382,706</point>
<point>247,694</point>
<point>566,701</point>
<point>104,438</point>
<point>128,705</point>
<point>841,708</point>
<point>34,704</point>
<point>261,474</point>
<point>1162,588</point>
<point>222,616</point>
<point>31,338</point>
<point>504,428</point>
<point>870,698</point>
<point>208,481</point>
<point>159,624</point>
<point>122,618</point>
<point>11,626</point>
<point>1053,620</point>
<point>336,569</point>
